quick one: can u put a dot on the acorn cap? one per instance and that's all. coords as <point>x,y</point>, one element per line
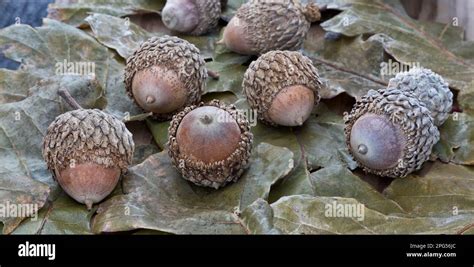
<point>209,15</point>
<point>205,19</point>
<point>87,136</point>
<point>273,72</point>
<point>197,157</point>
<point>390,132</point>
<point>174,55</point>
<point>276,25</point>
<point>430,88</point>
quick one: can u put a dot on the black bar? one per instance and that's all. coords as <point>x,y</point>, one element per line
<point>242,250</point>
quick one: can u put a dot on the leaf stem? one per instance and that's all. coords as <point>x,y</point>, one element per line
<point>67,97</point>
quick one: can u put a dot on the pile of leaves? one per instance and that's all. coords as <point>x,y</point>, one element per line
<point>295,172</point>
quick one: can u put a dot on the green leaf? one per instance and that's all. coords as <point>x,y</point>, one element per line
<point>125,37</point>
<point>157,198</point>
<point>437,199</point>
<point>229,66</point>
<point>269,164</point>
<point>322,138</point>
<point>445,190</point>
<point>75,13</point>
<point>466,99</point>
<point>63,216</point>
<point>41,49</point>
<point>19,191</point>
<point>337,180</point>
<point>230,78</point>
<point>49,50</point>
<point>24,178</point>
<point>258,218</point>
<point>205,43</point>
<point>303,214</point>
<point>457,140</point>
<point>159,130</point>
<point>14,85</point>
<point>405,39</point>
<point>351,65</point>
<point>116,33</point>
<point>297,182</point>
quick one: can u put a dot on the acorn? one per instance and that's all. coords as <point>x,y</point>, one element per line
<point>194,17</point>
<point>261,26</point>
<point>389,132</point>
<point>164,75</point>
<point>87,150</point>
<point>283,86</point>
<point>210,144</point>
<point>430,88</point>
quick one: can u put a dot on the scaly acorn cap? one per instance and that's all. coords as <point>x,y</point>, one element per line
<point>194,17</point>
<point>87,150</point>
<point>169,56</point>
<point>272,73</point>
<point>211,153</point>
<point>390,132</point>
<point>261,26</point>
<point>85,136</point>
<point>430,88</point>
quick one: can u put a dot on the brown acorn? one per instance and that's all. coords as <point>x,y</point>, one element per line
<point>210,144</point>
<point>261,26</point>
<point>164,75</point>
<point>194,17</point>
<point>390,132</point>
<point>87,150</point>
<point>283,87</point>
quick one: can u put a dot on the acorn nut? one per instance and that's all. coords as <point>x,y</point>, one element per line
<point>261,26</point>
<point>164,75</point>
<point>389,132</point>
<point>194,17</point>
<point>283,87</point>
<point>210,144</point>
<point>430,88</point>
<point>87,150</point>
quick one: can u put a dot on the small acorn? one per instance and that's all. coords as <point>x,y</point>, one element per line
<point>261,26</point>
<point>283,87</point>
<point>194,17</point>
<point>87,150</point>
<point>430,88</point>
<point>389,132</point>
<point>210,144</point>
<point>164,75</point>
